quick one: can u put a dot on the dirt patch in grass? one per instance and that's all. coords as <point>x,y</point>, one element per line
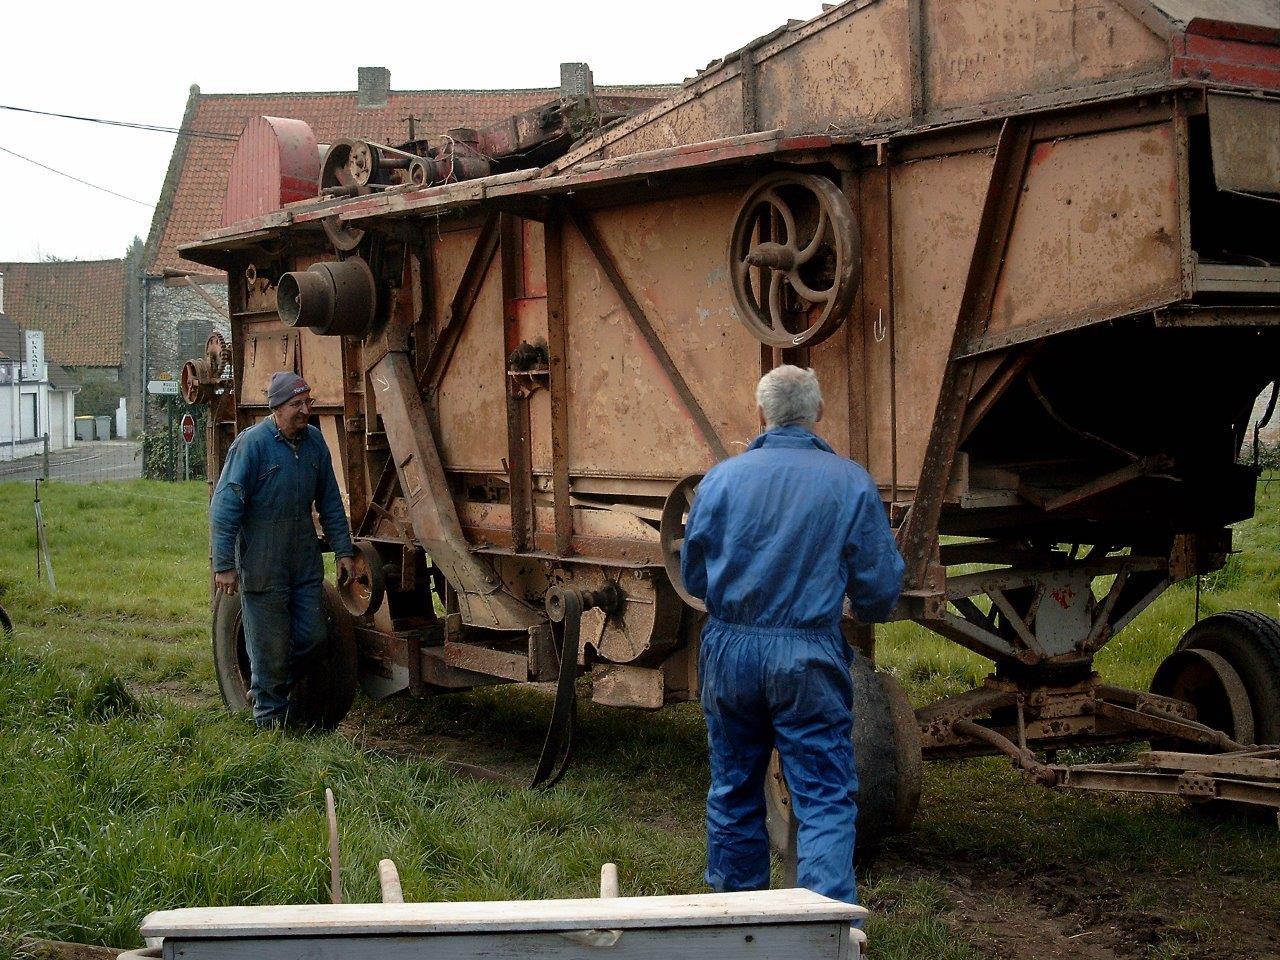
<point>1023,912</point>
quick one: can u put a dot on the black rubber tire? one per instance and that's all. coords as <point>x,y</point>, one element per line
<point>1250,642</point>
<point>230,658</point>
<point>326,692</point>
<point>6,625</point>
<point>888,763</point>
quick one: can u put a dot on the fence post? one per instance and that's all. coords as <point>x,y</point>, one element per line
<point>46,456</point>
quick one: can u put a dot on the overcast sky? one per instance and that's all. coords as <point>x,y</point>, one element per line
<point>136,61</point>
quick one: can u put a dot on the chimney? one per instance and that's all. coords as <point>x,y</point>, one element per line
<point>373,86</point>
<point>576,81</point>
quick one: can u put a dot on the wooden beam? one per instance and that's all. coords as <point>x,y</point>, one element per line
<point>519,440</point>
<point>558,374</point>
<point>464,298</point>
<point>604,258</point>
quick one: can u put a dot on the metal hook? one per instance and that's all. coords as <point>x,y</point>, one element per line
<point>878,327</point>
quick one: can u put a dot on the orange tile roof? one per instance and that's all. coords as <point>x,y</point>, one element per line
<point>79,304</point>
<point>191,200</point>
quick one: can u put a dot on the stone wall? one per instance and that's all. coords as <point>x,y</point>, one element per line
<point>178,323</point>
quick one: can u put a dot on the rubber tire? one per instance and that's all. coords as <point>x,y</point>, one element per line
<point>327,691</point>
<point>1250,642</point>
<point>888,765</point>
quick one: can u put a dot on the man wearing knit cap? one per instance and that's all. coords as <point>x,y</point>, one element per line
<point>265,544</point>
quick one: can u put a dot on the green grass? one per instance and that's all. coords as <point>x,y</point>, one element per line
<point>125,788</point>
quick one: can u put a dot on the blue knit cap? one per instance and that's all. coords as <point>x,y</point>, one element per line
<point>285,385</point>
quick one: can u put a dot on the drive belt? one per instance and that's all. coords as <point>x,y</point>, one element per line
<point>557,747</point>
<point>564,607</point>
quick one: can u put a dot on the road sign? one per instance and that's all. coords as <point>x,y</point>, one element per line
<point>162,388</point>
<point>33,361</point>
<point>188,428</point>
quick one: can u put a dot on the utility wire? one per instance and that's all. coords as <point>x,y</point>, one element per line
<point>60,173</point>
<point>153,127</point>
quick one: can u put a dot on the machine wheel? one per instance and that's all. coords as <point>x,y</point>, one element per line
<point>675,512</point>
<point>1219,658</point>
<point>886,743</point>
<point>325,695</point>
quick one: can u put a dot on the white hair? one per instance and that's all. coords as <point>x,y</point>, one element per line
<point>789,395</point>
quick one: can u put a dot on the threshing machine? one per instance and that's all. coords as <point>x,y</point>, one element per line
<point>1032,250</point>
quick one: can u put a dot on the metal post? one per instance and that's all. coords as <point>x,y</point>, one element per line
<point>173,459</point>
<point>186,459</point>
<point>46,456</point>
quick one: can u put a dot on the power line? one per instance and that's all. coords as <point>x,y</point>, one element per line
<point>153,127</point>
<point>76,179</point>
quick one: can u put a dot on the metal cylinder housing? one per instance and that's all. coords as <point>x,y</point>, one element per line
<point>334,297</point>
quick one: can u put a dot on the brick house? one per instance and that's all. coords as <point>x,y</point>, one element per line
<point>184,302</point>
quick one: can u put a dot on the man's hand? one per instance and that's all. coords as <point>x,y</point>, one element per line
<point>346,570</point>
<point>226,581</point>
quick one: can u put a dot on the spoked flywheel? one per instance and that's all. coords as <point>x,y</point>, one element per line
<point>794,260</point>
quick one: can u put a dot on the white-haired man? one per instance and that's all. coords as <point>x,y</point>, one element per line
<point>776,538</point>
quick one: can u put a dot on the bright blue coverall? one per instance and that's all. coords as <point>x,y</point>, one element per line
<point>776,537</point>
<point>261,519</point>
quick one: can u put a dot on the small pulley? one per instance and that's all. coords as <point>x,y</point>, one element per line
<point>362,594</point>
<point>675,514</point>
<point>794,259</point>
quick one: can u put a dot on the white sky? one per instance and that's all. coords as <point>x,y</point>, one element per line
<point>136,61</point>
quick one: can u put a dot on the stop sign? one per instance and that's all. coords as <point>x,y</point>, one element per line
<point>188,428</point>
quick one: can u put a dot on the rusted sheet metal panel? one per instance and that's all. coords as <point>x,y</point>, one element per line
<point>1097,232</point>
<point>984,50</point>
<point>1244,134</point>
<point>936,207</point>
<point>715,114</point>
<point>471,405</point>
<point>671,257</point>
<point>855,71</point>
<point>1228,56</point>
<point>320,364</point>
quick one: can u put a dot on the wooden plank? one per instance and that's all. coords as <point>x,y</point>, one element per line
<point>801,941</point>
<point>558,385</point>
<point>354,919</point>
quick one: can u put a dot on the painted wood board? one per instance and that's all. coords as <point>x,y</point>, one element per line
<point>349,919</point>
<point>792,941</point>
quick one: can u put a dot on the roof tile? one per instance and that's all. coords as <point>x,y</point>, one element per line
<point>79,304</point>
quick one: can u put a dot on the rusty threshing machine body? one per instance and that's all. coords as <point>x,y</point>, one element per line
<point>1032,250</point>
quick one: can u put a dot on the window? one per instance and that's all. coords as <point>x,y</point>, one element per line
<point>192,335</point>
<point>27,413</point>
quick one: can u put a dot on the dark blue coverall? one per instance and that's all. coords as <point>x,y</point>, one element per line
<point>776,537</point>
<point>261,519</point>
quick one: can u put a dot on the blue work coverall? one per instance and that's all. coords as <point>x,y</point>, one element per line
<point>261,519</point>
<point>776,538</point>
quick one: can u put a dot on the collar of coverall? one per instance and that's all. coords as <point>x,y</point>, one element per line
<point>279,434</point>
<point>790,436</point>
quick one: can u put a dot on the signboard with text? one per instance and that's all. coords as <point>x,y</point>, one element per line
<point>188,428</point>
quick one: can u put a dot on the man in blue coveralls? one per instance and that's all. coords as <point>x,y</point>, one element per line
<point>775,540</point>
<point>265,544</point>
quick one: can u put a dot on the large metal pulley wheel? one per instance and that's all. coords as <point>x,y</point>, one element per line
<point>675,514</point>
<point>794,260</point>
<point>363,593</point>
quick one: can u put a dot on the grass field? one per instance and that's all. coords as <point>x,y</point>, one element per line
<point>125,788</point>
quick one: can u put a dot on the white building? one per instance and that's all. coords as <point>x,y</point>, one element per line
<point>36,396</point>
